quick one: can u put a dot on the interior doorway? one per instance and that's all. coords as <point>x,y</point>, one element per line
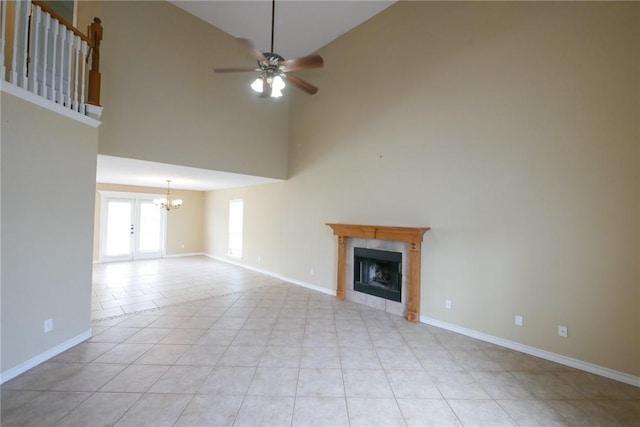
<point>132,227</point>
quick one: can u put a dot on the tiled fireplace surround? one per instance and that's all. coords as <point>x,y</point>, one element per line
<point>406,240</point>
<point>399,308</point>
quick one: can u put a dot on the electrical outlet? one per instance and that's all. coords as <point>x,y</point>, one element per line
<point>518,320</point>
<point>563,331</point>
<point>447,304</point>
<point>48,325</point>
<point>259,258</point>
<point>312,272</point>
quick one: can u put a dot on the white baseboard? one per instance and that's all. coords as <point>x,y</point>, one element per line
<point>185,255</point>
<point>35,361</point>
<point>543,354</point>
<point>311,286</point>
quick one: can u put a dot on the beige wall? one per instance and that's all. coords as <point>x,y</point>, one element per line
<point>512,130</point>
<point>184,226</point>
<point>162,101</point>
<point>48,183</point>
<point>87,10</point>
<point>262,225</point>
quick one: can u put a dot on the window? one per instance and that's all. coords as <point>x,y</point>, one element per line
<point>236,208</point>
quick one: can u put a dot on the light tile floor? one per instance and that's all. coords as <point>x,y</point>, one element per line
<point>268,353</point>
<point>130,287</point>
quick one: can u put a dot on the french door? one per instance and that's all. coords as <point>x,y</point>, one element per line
<point>131,228</point>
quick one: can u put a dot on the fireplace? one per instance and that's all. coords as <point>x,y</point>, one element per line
<point>411,235</point>
<point>378,273</point>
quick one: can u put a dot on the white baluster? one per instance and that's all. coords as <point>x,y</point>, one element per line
<point>35,59</point>
<point>55,30</point>
<point>21,28</point>
<point>13,72</point>
<point>26,16</point>
<point>76,77</point>
<point>45,53</point>
<point>85,48</point>
<point>3,29</point>
<point>63,43</point>
<point>69,73</point>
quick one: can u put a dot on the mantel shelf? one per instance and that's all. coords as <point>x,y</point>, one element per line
<point>380,232</point>
<point>411,235</point>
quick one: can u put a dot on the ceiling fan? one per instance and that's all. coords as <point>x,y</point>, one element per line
<point>274,69</point>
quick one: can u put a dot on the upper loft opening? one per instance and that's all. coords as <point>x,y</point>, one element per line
<point>44,59</point>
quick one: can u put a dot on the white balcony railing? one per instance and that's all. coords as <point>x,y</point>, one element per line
<point>42,53</point>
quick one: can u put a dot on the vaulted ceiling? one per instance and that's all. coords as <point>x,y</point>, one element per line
<point>301,27</point>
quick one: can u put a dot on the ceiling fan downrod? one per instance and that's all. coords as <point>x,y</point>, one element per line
<point>273,20</point>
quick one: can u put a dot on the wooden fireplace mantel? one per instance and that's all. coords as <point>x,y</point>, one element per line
<point>411,235</point>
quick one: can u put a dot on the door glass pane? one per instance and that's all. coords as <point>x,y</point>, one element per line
<point>118,228</point>
<point>150,222</point>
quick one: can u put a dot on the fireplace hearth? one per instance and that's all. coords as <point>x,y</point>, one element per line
<point>378,273</point>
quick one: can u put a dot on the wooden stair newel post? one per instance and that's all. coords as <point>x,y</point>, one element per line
<point>95,35</point>
<point>413,303</point>
<point>341,292</point>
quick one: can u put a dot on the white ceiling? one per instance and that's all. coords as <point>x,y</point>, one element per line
<point>117,170</point>
<point>301,27</point>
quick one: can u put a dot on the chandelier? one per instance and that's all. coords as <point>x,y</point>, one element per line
<point>166,202</point>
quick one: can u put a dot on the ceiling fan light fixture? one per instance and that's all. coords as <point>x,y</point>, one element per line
<point>275,84</point>
<point>278,83</point>
<point>258,85</point>
<point>274,69</point>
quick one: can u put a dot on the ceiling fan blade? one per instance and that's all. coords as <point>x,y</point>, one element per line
<point>311,61</point>
<point>254,51</point>
<point>301,84</point>
<point>235,69</point>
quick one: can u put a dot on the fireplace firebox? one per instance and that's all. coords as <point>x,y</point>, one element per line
<point>378,273</point>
